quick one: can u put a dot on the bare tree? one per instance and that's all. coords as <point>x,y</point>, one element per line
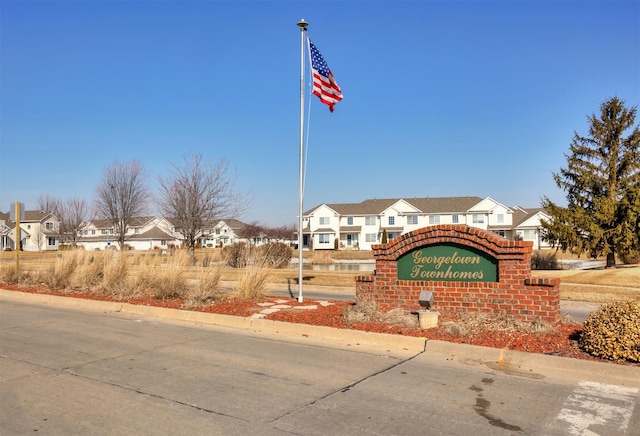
<point>286,232</point>
<point>47,203</point>
<point>71,213</point>
<point>197,192</point>
<point>121,196</point>
<point>253,232</point>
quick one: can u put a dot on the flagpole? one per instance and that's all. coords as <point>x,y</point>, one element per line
<point>303,28</point>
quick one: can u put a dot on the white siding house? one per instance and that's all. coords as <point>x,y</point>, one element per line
<point>144,233</point>
<point>352,226</point>
<point>527,226</point>
<point>39,231</point>
<point>148,233</point>
<point>220,233</point>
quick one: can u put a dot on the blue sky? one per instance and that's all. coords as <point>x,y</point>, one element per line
<point>441,98</point>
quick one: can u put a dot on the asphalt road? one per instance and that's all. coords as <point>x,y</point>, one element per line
<point>104,370</point>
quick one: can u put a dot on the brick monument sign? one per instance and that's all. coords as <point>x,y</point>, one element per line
<point>467,269</point>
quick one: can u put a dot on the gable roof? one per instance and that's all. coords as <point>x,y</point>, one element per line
<point>522,214</point>
<point>29,216</point>
<point>36,215</point>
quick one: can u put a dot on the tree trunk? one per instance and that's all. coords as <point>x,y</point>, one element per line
<point>611,260</point>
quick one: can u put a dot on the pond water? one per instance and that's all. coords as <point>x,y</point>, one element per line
<point>370,266</point>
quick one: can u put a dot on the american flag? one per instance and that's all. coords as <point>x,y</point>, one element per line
<point>324,85</point>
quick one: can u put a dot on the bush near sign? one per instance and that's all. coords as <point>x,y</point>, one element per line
<point>449,262</point>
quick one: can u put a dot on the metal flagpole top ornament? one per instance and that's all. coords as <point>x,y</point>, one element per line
<point>302,23</point>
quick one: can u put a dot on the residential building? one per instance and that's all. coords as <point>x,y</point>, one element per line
<point>360,225</point>
<point>220,233</point>
<point>152,232</point>
<point>526,224</point>
<point>143,233</point>
<point>39,231</point>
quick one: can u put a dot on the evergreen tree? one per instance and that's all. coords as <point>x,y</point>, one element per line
<point>602,185</point>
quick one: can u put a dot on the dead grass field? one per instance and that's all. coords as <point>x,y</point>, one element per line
<point>600,285</point>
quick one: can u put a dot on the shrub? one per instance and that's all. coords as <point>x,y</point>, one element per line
<point>170,282</point>
<point>321,258</point>
<point>207,290</point>
<point>60,273</point>
<point>89,270</point>
<point>613,331</point>
<point>274,255</point>
<point>237,255</point>
<point>630,258</point>
<point>541,260</point>
<point>162,281</point>
<point>115,271</point>
<point>366,310</point>
<point>481,322</point>
<point>252,283</point>
<point>8,273</point>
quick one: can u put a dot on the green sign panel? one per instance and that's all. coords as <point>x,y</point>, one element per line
<point>453,263</point>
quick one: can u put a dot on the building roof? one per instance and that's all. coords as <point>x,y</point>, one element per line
<point>153,233</point>
<point>29,216</point>
<point>522,214</point>
<point>444,204</point>
<point>424,205</point>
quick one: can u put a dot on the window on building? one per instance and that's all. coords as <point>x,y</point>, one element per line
<point>501,233</point>
<point>104,232</point>
<point>500,218</point>
<point>136,230</point>
<point>391,236</point>
<point>455,218</point>
<point>477,218</point>
<point>434,219</point>
<point>392,220</point>
<point>530,235</point>
<point>324,220</point>
<point>51,241</point>
<point>349,220</point>
<point>48,226</point>
<point>371,237</point>
<point>93,232</point>
<point>370,220</point>
<point>324,238</point>
<point>412,220</point>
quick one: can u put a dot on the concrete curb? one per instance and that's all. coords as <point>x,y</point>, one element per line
<point>537,366</point>
<point>347,337</point>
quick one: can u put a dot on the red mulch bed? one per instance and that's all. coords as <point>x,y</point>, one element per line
<point>563,342</point>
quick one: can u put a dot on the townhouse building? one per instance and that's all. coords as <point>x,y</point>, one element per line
<point>153,232</point>
<point>358,226</point>
<point>220,233</point>
<point>143,233</point>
